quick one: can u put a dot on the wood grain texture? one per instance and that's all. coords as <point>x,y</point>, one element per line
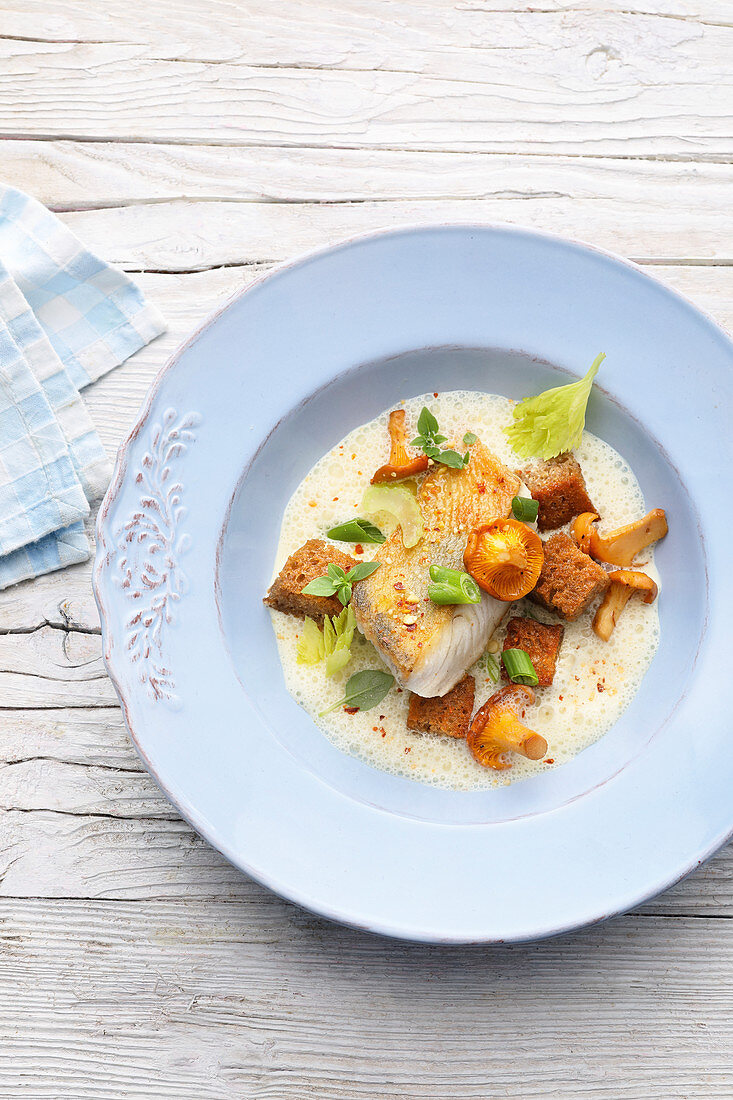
<point>196,144</point>
<point>184,236</point>
<point>263,1001</point>
<point>321,34</point>
<point>550,82</point>
<point>78,175</point>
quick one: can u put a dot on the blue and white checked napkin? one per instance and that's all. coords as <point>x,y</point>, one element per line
<point>66,318</point>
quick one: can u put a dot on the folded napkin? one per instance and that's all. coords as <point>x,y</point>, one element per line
<point>66,318</point>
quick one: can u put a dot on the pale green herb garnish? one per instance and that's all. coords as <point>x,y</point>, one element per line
<point>332,644</point>
<point>492,667</point>
<point>469,439</point>
<point>364,690</point>
<point>338,583</point>
<point>552,422</point>
<point>429,441</point>
<point>311,648</point>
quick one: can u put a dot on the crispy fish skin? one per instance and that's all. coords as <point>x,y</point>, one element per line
<point>429,647</point>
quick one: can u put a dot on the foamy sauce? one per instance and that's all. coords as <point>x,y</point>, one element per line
<point>594,681</point>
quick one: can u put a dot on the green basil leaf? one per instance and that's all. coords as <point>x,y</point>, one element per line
<point>344,592</point>
<point>426,423</point>
<point>336,573</point>
<point>450,458</point>
<point>469,439</point>
<point>356,530</point>
<point>361,570</point>
<point>364,690</point>
<point>321,586</point>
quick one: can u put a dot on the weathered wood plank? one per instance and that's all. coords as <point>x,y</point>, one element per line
<point>184,236</point>
<point>80,789</point>
<point>53,668</point>
<point>69,736</point>
<point>262,1001</point>
<point>569,82</point>
<point>342,34</point>
<point>69,175</point>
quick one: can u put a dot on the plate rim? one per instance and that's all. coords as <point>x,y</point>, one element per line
<point>187,811</point>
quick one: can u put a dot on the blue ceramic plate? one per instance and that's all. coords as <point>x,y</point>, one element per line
<point>189,527</point>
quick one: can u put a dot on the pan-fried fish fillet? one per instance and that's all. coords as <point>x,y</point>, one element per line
<point>428,647</point>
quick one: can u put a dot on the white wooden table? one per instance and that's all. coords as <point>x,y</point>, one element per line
<point>196,142</point>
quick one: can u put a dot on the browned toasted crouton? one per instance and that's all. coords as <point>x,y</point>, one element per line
<point>449,714</point>
<point>569,580</point>
<point>558,486</point>
<point>302,567</point>
<point>540,642</point>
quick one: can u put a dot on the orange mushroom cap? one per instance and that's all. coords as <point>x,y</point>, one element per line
<point>497,730</point>
<point>624,583</point>
<point>401,464</point>
<point>505,558</point>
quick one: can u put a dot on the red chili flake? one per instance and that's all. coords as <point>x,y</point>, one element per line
<point>550,760</point>
<point>335,498</point>
<point>358,549</point>
<point>600,686</point>
<point>408,749</point>
<point>399,691</point>
<point>560,698</point>
<point>435,395</point>
<point>399,586</point>
<point>351,710</point>
<point>384,733</point>
<point>374,728</point>
<point>411,627</point>
<point>480,487</point>
<point>382,717</point>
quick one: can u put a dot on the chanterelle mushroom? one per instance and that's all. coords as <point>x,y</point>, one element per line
<point>624,583</point>
<point>505,558</point>
<point>583,530</point>
<point>621,546</point>
<point>496,729</point>
<point>401,464</point>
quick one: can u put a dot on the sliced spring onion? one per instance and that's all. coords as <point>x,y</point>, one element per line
<point>525,509</point>
<point>452,586</point>
<point>519,667</point>
<point>355,530</point>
